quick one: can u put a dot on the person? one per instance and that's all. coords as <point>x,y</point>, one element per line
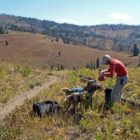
<point>118,68</point>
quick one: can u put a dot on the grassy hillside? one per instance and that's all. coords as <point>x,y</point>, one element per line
<point>123,123</point>
<point>25,61</point>
<point>38,50</point>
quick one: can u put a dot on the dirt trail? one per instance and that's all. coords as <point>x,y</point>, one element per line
<point>19,100</point>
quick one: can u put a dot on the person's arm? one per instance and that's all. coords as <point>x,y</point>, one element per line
<point>110,72</point>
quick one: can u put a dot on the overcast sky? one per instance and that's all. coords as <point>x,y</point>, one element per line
<point>81,12</point>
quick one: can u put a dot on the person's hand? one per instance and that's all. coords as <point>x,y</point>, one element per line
<point>101,75</point>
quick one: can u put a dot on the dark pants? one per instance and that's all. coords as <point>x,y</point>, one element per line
<point>108,103</point>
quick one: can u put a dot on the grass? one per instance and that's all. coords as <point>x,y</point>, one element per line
<point>122,123</point>
<point>15,79</point>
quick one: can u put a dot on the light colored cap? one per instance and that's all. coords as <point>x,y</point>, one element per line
<point>105,59</point>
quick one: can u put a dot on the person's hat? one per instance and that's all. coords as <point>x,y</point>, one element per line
<point>105,59</point>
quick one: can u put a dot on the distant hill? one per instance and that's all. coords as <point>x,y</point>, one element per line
<point>35,49</point>
<point>105,37</point>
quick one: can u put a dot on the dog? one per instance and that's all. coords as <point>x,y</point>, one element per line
<point>44,108</point>
<point>76,98</point>
<point>69,91</point>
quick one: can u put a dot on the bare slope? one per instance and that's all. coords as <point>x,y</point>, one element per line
<point>36,49</point>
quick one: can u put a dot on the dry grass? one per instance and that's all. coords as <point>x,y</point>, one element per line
<point>36,50</point>
<point>16,79</point>
<point>124,123</point>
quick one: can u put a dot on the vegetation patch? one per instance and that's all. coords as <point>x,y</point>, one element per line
<point>15,79</point>
<point>123,122</point>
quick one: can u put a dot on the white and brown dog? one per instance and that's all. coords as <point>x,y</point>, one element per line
<point>74,98</point>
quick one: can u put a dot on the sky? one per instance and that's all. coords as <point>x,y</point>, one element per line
<point>80,12</point>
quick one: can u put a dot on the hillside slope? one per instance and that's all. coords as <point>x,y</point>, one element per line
<point>36,49</point>
<point>111,37</point>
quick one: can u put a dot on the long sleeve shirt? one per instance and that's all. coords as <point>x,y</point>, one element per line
<point>117,67</point>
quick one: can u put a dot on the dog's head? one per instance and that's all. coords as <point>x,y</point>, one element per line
<point>92,87</point>
<point>97,87</point>
<point>67,91</point>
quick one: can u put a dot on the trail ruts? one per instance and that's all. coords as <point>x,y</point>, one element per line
<point>19,100</point>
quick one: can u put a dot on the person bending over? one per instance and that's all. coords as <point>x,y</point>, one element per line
<point>116,67</point>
